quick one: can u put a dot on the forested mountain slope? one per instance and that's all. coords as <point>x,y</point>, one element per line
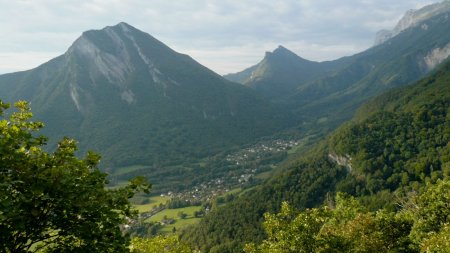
<point>403,143</point>
<point>126,95</point>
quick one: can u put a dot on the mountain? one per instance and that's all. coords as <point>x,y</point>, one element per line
<point>413,18</point>
<point>280,73</point>
<point>399,140</point>
<point>395,146</point>
<point>326,94</point>
<point>401,60</point>
<point>121,92</point>
<point>396,143</point>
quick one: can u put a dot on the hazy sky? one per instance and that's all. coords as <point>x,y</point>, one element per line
<point>224,35</point>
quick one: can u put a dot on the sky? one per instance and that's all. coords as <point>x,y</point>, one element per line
<point>224,35</point>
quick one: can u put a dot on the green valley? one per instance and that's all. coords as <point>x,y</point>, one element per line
<point>381,159</point>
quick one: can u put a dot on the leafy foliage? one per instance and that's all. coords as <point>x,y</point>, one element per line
<point>347,227</point>
<point>55,201</point>
<point>159,244</point>
<point>399,147</point>
<point>432,215</point>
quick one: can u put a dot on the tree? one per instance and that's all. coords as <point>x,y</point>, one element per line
<point>159,244</point>
<point>347,227</point>
<point>182,215</point>
<point>55,201</point>
<point>437,242</point>
<point>432,218</point>
<point>288,231</point>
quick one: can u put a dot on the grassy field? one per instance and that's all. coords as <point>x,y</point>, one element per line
<point>155,200</point>
<point>179,223</point>
<point>169,213</point>
<point>173,213</point>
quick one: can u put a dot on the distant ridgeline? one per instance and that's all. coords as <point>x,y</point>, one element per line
<point>397,143</point>
<point>324,94</point>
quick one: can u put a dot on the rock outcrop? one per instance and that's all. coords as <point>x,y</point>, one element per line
<point>413,18</point>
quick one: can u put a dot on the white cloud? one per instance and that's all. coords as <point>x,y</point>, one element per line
<point>12,62</point>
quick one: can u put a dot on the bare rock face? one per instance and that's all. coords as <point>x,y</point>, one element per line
<point>382,36</point>
<point>345,160</point>
<point>113,67</point>
<point>413,18</point>
<point>110,54</point>
<point>437,56</point>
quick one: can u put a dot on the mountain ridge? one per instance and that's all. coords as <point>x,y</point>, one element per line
<point>328,99</point>
<point>412,18</point>
<point>279,73</point>
<point>123,93</point>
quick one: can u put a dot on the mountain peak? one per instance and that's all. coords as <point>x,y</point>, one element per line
<point>108,51</point>
<point>282,53</point>
<point>114,38</point>
<point>282,49</point>
<point>279,73</point>
<point>121,26</point>
<point>124,25</point>
<point>117,51</point>
<point>413,18</point>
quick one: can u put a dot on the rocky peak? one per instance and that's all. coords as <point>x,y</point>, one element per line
<point>413,18</point>
<point>118,40</point>
<point>281,51</point>
<point>116,51</point>
<point>285,55</point>
<point>105,52</point>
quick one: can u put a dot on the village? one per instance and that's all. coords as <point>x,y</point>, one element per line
<point>250,161</point>
<point>244,165</point>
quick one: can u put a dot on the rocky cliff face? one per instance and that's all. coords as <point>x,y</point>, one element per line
<point>413,18</point>
<point>436,57</point>
<point>345,160</point>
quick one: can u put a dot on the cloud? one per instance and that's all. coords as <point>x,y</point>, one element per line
<point>13,62</point>
<point>224,35</point>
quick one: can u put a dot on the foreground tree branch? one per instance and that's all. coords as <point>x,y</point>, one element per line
<point>56,201</point>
